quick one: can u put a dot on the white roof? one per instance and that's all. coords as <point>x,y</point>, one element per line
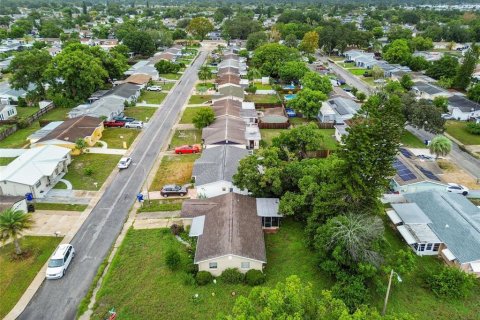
<point>394,217</point>
<point>248,105</point>
<point>423,233</point>
<point>475,266</point>
<point>268,207</point>
<point>196,229</point>
<point>448,254</point>
<point>406,234</point>
<point>34,164</point>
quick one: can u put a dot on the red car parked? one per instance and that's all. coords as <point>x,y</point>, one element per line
<point>188,149</point>
<point>113,124</point>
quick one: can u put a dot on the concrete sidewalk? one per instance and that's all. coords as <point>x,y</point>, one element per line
<point>107,151</point>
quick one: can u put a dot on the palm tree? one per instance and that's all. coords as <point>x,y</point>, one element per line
<point>12,224</point>
<point>440,146</point>
<point>204,74</point>
<point>254,73</point>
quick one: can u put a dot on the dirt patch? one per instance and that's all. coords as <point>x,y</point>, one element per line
<point>25,255</point>
<point>452,173</point>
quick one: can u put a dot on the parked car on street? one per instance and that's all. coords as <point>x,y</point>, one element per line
<point>188,149</point>
<point>457,188</point>
<point>124,163</point>
<point>173,190</point>
<point>134,124</point>
<point>123,119</point>
<point>113,124</point>
<point>154,88</point>
<point>59,261</point>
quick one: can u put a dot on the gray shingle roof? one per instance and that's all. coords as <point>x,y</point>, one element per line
<point>217,163</point>
<point>427,87</point>
<point>225,130</point>
<point>462,103</point>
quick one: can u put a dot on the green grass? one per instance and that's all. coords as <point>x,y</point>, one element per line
<point>357,71</point>
<point>25,112</point>
<point>408,139</point>
<point>182,137</point>
<point>6,161</point>
<point>155,292</point>
<point>175,169</point>
<point>346,65</point>
<point>296,121</point>
<point>19,138</point>
<point>261,86</point>
<point>101,164</point>
<point>166,86</point>
<point>56,114</point>
<point>269,134</point>
<point>112,136</point>
<point>16,276</point>
<point>262,98</point>
<point>171,76</point>
<point>152,97</point>
<point>189,113</point>
<point>140,113</point>
<point>161,205</point>
<point>60,206</point>
<point>329,142</point>
<point>207,85</point>
<point>457,129</point>
<point>199,99</point>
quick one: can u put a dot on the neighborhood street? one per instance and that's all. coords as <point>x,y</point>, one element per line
<point>59,299</point>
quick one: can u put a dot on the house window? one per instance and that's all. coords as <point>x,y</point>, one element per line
<point>245,265</point>
<point>421,247</point>
<point>436,246</point>
<point>429,247</point>
<point>212,265</point>
<point>38,184</point>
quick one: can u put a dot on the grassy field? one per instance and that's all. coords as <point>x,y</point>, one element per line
<point>60,206</point>
<point>6,161</point>
<point>189,113</point>
<point>161,205</point>
<point>155,292</point>
<point>410,140</point>
<point>56,114</point>
<point>457,130</point>
<point>25,112</point>
<point>261,86</point>
<point>357,71</point>
<point>182,137</point>
<point>16,276</point>
<point>140,113</point>
<point>207,85</point>
<point>152,97</point>
<point>262,98</point>
<point>174,169</point>
<point>171,76</point>
<point>113,137</point>
<point>101,165</point>
<point>19,138</point>
<point>199,99</point>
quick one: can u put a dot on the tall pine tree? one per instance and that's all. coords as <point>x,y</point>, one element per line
<point>464,74</point>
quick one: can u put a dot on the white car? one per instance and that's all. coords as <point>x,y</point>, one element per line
<point>59,261</point>
<point>124,163</point>
<point>154,88</point>
<point>457,188</point>
<point>134,124</point>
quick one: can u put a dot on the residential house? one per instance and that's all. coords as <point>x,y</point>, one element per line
<point>35,171</point>
<point>340,131</point>
<point>13,202</point>
<point>462,108</point>
<point>425,90</point>
<point>5,64</point>
<point>214,170</point>
<point>7,111</point>
<point>441,223</point>
<point>274,116</point>
<point>229,90</point>
<point>227,70</point>
<point>231,131</point>
<point>127,91</point>
<point>42,132</point>
<point>144,67</point>
<point>228,78</point>
<point>229,233</point>
<point>139,79</point>
<point>108,107</point>
<point>337,110</point>
<point>65,135</point>
<point>230,107</point>
<point>9,94</point>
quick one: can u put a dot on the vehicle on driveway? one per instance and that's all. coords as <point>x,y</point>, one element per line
<point>188,149</point>
<point>134,124</point>
<point>124,119</point>
<point>154,88</point>
<point>59,261</point>
<point>173,190</point>
<point>457,188</point>
<point>290,112</point>
<point>124,163</point>
<point>113,124</point>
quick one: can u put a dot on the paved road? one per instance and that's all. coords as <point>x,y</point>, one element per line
<point>59,299</point>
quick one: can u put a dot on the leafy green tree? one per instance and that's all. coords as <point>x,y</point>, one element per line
<point>80,145</point>
<point>12,225</point>
<point>421,44</point>
<point>179,34</point>
<point>465,71</point>
<point>398,52</point>
<point>28,67</point>
<point>239,27</point>
<point>309,42</point>
<point>122,50</point>
<point>406,82</point>
<point>299,140</point>
<point>377,32</point>
<point>256,39</point>
<point>441,103</point>
<point>113,62</point>
<point>451,282</point>
<point>253,73</point>
<point>474,92</point>
<point>422,113</point>
<point>199,27</point>
<point>418,63</point>
<point>361,96</point>
<point>291,40</point>
<point>440,146</point>
<point>204,73</point>
<point>317,82</point>
<point>398,32</point>
<point>271,56</point>
<point>204,117</point>
<point>446,66</point>
<point>140,42</point>
<point>164,66</point>
<point>308,102</point>
<point>293,71</point>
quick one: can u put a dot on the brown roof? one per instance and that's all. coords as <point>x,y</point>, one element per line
<point>6,202</point>
<point>230,55</point>
<point>231,226</point>
<point>72,129</point>
<point>162,56</point>
<point>139,78</point>
<point>227,70</point>
<point>227,107</point>
<point>225,130</point>
<point>228,78</point>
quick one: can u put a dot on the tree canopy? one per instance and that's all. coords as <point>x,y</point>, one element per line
<point>269,58</point>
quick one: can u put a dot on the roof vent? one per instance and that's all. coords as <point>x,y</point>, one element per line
<point>447,226</point>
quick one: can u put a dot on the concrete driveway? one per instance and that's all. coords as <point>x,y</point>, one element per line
<point>52,223</point>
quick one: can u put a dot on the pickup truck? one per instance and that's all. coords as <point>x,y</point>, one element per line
<point>124,119</point>
<point>113,124</point>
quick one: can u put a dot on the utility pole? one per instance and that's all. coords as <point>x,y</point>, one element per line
<point>388,290</point>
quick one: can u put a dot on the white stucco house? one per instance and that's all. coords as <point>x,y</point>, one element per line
<point>462,108</point>
<point>7,111</point>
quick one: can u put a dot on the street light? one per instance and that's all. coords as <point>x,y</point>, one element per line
<point>388,290</point>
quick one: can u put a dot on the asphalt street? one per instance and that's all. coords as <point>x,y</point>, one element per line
<point>58,299</point>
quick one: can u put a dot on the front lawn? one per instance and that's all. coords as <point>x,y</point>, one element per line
<point>152,97</point>
<point>205,85</point>
<point>457,129</point>
<point>16,276</point>
<point>199,99</point>
<point>114,137</point>
<point>189,113</point>
<point>183,137</point>
<point>6,161</point>
<point>262,98</point>
<point>19,138</point>
<point>174,169</point>
<point>161,205</point>
<point>60,206</point>
<point>171,76</point>
<point>140,113</point>
<point>357,71</point>
<point>166,86</point>
<point>410,140</point>
<point>261,86</point>
<point>86,169</point>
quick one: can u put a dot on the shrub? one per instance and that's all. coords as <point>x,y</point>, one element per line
<point>232,276</point>
<point>22,102</point>
<point>203,118</point>
<point>251,89</point>
<point>254,277</point>
<point>172,259</point>
<point>352,290</point>
<point>176,229</point>
<point>473,128</point>
<point>203,278</point>
<point>192,268</point>
<point>189,279</point>
<point>88,171</point>
<point>22,123</point>
<point>451,282</point>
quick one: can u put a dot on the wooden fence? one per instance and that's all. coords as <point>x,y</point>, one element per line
<point>283,125</point>
<point>319,153</point>
<point>5,133</point>
<point>323,125</point>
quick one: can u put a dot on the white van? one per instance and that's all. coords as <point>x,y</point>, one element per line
<point>60,260</point>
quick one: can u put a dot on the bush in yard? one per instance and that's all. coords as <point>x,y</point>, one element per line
<point>88,171</point>
<point>473,128</point>
<point>164,66</point>
<point>352,290</point>
<point>192,268</point>
<point>203,278</point>
<point>251,89</point>
<point>203,118</point>
<point>232,276</point>
<point>451,282</point>
<point>254,277</point>
<point>22,123</point>
<point>176,229</point>
<point>172,259</point>
<point>361,96</point>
